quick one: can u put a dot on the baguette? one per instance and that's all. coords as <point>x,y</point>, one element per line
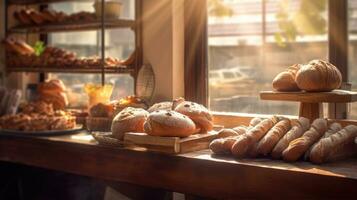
<point>222,145</point>
<point>227,132</point>
<point>255,121</point>
<point>300,145</point>
<point>246,141</point>
<point>332,130</point>
<point>334,147</point>
<point>267,143</point>
<point>303,124</point>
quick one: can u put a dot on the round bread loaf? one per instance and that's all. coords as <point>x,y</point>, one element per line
<point>285,81</point>
<point>198,113</point>
<point>169,123</point>
<point>166,105</point>
<point>129,120</point>
<point>318,76</point>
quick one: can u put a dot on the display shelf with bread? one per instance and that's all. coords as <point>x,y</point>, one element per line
<point>45,19</point>
<point>36,2</point>
<point>310,84</point>
<point>73,26</point>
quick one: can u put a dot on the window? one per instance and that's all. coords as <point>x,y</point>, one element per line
<point>255,40</point>
<point>352,62</point>
<point>120,43</point>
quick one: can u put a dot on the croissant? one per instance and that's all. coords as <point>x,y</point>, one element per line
<point>285,81</point>
<point>318,76</point>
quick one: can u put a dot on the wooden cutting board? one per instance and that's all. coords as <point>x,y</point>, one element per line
<point>172,145</point>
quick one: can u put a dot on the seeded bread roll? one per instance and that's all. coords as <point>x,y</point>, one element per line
<point>246,141</point>
<point>299,146</point>
<point>285,81</point>
<point>198,113</point>
<point>318,76</point>
<point>129,120</point>
<point>303,124</point>
<point>334,147</point>
<point>166,105</point>
<point>169,123</point>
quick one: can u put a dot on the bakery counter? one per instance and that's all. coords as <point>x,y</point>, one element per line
<point>196,173</point>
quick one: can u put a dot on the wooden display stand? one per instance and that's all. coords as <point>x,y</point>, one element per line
<point>311,102</point>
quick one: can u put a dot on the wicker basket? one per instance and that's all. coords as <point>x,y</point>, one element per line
<point>99,124</point>
<point>106,139</point>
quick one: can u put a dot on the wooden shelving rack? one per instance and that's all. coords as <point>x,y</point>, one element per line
<point>311,102</point>
<point>101,24</point>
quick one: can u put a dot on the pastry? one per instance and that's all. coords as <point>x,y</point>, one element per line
<point>268,142</point>
<point>300,145</point>
<point>285,81</point>
<point>318,76</point>
<point>49,15</point>
<point>129,120</point>
<point>169,123</point>
<point>36,17</point>
<point>198,113</point>
<point>246,141</point>
<point>53,91</point>
<point>101,110</point>
<point>302,125</point>
<point>53,85</point>
<point>23,17</point>
<point>166,105</point>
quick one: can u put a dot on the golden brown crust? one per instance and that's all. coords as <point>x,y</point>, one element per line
<point>246,141</point>
<point>58,100</point>
<point>285,81</point>
<point>332,147</point>
<point>129,120</point>
<point>227,132</point>
<point>268,142</point>
<point>198,113</point>
<point>300,145</point>
<point>166,105</point>
<point>318,76</point>
<point>303,124</point>
<point>169,123</point>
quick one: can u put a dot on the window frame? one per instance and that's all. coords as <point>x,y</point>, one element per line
<point>196,49</point>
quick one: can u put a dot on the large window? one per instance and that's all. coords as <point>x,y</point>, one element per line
<point>251,41</point>
<point>120,43</point>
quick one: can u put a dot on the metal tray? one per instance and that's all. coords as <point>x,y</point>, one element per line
<point>41,133</point>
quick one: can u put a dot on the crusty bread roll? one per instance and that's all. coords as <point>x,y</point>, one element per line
<point>53,91</point>
<point>255,121</point>
<point>227,132</point>
<point>285,81</point>
<point>268,142</point>
<point>129,120</point>
<point>198,113</point>
<point>166,105</point>
<point>54,85</point>
<point>169,123</point>
<point>333,128</point>
<point>23,48</point>
<point>303,124</point>
<point>332,147</point>
<point>59,100</point>
<point>222,145</point>
<point>246,141</point>
<point>300,145</point>
<point>241,129</point>
<point>318,76</point>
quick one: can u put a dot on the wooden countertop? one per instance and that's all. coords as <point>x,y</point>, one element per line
<point>196,173</point>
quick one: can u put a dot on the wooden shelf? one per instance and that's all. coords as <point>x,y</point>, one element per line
<point>33,2</point>
<point>74,26</point>
<point>123,70</point>
<point>336,96</point>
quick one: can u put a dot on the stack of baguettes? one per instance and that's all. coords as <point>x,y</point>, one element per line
<point>282,138</point>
